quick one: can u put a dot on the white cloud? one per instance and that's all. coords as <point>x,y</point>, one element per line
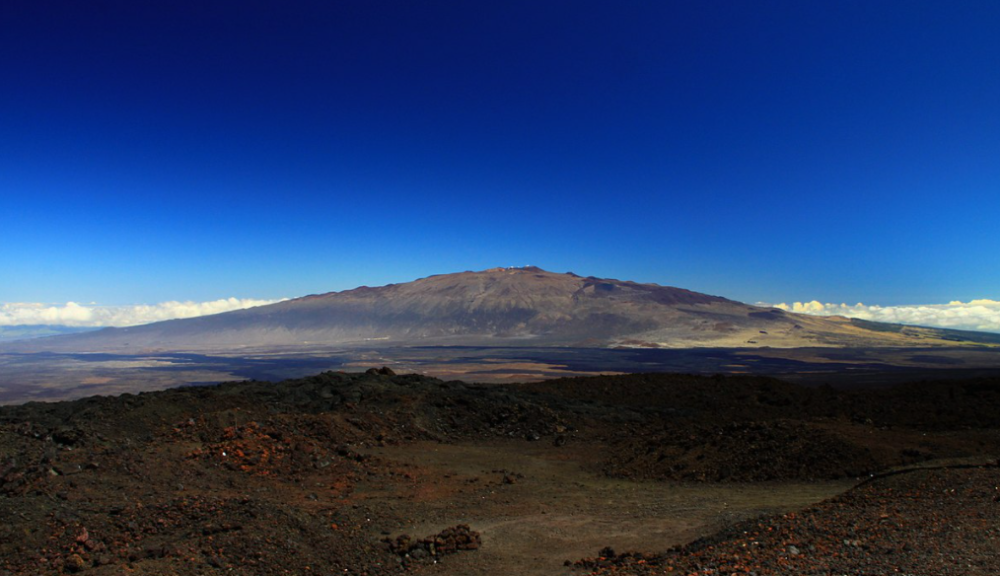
<point>981,314</point>
<point>94,315</point>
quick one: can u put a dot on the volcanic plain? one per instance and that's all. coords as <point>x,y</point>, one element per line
<point>508,421</point>
<point>379,473</point>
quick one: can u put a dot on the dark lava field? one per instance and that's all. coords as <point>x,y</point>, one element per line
<point>377,473</point>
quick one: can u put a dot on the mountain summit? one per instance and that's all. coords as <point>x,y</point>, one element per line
<point>519,306</point>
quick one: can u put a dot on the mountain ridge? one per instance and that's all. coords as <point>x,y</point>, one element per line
<point>503,306</point>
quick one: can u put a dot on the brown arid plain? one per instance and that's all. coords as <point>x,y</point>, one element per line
<point>378,473</point>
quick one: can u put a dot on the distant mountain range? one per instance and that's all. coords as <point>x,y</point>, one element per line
<point>25,331</point>
<point>524,306</point>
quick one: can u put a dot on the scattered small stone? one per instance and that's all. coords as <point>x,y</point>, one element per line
<point>214,561</point>
<point>75,563</point>
<point>448,541</point>
<point>383,371</point>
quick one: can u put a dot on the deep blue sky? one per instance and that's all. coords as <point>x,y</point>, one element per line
<point>764,151</point>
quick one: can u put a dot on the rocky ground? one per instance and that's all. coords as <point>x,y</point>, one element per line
<point>379,473</point>
<point>942,522</point>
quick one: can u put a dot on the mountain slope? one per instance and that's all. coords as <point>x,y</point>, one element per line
<point>496,307</point>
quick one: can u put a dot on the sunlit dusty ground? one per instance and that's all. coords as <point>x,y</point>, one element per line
<point>558,508</point>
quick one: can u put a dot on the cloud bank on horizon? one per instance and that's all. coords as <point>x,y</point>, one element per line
<point>983,315</point>
<point>97,316</point>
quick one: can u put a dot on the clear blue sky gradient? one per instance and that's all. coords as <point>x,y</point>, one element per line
<point>764,151</point>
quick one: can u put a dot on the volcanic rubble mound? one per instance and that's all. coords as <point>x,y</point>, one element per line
<point>742,452</point>
<point>944,522</point>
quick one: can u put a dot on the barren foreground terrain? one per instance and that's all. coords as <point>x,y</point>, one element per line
<point>377,473</point>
